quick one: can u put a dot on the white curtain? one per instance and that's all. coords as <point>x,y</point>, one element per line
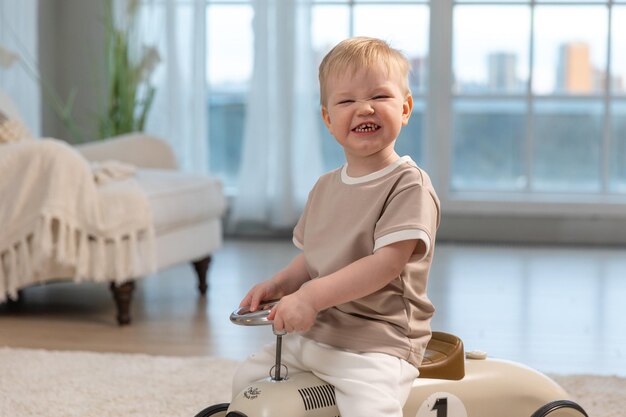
<point>18,33</point>
<point>281,158</point>
<point>179,113</point>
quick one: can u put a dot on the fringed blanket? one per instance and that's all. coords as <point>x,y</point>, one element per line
<point>53,213</point>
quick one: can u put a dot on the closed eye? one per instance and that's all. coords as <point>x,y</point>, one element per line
<point>380,97</point>
<point>345,101</point>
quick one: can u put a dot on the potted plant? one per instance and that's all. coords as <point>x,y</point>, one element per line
<point>129,66</point>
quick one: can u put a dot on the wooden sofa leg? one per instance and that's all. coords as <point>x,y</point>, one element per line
<point>18,302</point>
<point>202,266</point>
<point>123,294</point>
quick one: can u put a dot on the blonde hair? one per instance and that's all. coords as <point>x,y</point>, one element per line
<point>362,52</point>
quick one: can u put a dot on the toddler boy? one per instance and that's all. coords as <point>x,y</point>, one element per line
<point>354,300</point>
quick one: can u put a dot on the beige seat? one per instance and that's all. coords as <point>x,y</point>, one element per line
<point>444,358</point>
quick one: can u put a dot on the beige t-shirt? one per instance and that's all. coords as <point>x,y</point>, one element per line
<point>346,219</point>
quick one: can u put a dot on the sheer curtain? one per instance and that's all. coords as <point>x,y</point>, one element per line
<point>179,112</point>
<point>281,158</point>
<point>18,33</point>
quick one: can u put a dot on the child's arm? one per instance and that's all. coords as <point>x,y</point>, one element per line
<point>283,283</point>
<point>297,312</point>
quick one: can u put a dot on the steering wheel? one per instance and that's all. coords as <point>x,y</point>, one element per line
<point>244,317</point>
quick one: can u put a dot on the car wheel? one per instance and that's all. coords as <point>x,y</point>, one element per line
<point>217,410</point>
<point>560,408</point>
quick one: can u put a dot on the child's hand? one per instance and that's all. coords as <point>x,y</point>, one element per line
<point>265,291</point>
<point>294,313</point>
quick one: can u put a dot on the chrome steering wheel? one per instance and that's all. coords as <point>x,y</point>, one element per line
<point>244,317</point>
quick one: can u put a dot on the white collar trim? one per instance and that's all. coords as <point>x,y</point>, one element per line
<point>346,179</point>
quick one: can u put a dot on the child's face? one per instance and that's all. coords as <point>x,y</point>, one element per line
<point>366,110</point>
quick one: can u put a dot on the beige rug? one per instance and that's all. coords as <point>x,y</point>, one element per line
<point>84,384</point>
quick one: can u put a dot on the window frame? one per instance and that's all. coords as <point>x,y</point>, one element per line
<point>439,137</point>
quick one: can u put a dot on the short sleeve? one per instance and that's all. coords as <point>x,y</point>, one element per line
<point>299,229</point>
<point>410,213</point>
<point>298,233</point>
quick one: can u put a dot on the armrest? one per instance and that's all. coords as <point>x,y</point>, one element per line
<point>139,149</point>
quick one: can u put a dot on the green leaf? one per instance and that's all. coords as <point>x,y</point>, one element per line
<point>126,107</point>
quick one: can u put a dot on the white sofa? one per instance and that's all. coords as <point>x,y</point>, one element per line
<point>186,208</point>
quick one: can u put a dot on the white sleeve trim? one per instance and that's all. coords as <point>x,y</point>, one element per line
<point>401,235</point>
<point>298,244</point>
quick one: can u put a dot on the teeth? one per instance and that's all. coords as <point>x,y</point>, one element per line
<point>366,127</point>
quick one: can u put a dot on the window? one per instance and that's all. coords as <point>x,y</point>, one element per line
<point>534,105</point>
<point>405,25</point>
<point>230,59</point>
<point>230,45</point>
<point>490,77</point>
<point>539,107</point>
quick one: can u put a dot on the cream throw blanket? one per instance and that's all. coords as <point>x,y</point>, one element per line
<point>54,216</point>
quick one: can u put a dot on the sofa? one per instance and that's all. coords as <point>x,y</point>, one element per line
<point>186,208</point>
<point>186,214</point>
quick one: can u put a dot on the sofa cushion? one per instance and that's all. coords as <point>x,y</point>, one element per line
<point>179,199</point>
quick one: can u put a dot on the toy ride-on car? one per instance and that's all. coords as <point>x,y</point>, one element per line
<point>451,383</point>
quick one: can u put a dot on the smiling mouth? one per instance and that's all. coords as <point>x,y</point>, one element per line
<point>366,127</point>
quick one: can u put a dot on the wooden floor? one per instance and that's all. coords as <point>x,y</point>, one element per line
<point>556,309</point>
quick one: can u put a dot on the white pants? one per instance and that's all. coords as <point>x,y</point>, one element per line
<point>366,384</point>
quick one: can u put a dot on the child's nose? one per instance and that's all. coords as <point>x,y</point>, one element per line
<point>365,107</point>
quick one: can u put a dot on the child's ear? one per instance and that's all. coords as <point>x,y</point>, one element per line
<point>407,109</point>
<point>326,117</point>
